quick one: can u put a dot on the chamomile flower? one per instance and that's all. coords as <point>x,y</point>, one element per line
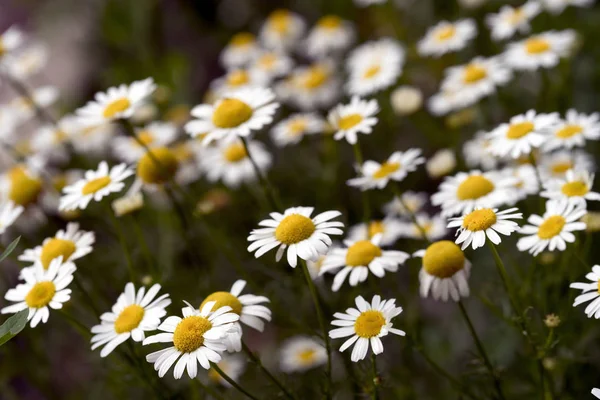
<point>94,186</point>
<point>239,51</point>
<point>116,103</point>
<point>27,62</point>
<point>573,131</point>
<point>301,353</point>
<point>331,34</point>
<point>43,97</point>
<point>131,316</point>
<point>558,6</point>
<point>10,40</point>
<point>554,229</point>
<point>282,30</point>
<point>511,20</point>
<point>390,229</point>
<point>542,50</point>
<point>43,289</point>
<point>233,365</point>
<point>446,37</point>
<point>292,129</point>
<point>589,293</point>
<point>9,212</point>
<point>526,182</point>
<point>156,167</point>
<point>229,162</point>
<point>522,134</point>
<point>463,192</point>
<point>155,134</point>
<point>444,102</point>
<point>474,227</point>
<point>413,201</point>
<point>574,186</point>
<point>360,258</point>
<point>395,168</point>
<point>268,65</point>
<point>236,79</point>
<point>366,325</point>
<point>441,163</point>
<point>477,152</point>
<point>198,337</point>
<point>238,113</point>
<point>311,87</point>
<point>406,100</point>
<point>296,231</point>
<point>556,164</point>
<point>444,272</point>
<point>21,184</point>
<point>433,226</point>
<point>348,120</point>
<point>596,392</point>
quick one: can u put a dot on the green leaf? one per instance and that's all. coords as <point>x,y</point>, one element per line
<point>12,326</point>
<point>10,248</point>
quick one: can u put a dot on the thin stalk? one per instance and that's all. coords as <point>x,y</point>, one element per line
<point>121,237</point>
<point>538,177</point>
<point>87,297</point>
<point>185,226</point>
<point>259,363</point>
<point>358,157</point>
<point>144,245</point>
<point>84,330</point>
<point>232,382</point>
<point>375,394</point>
<point>209,389</point>
<point>262,179</point>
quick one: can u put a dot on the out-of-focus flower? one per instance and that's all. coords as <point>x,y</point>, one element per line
<point>232,365</point>
<point>268,65</point>
<point>292,129</point>
<point>348,120</point>
<point>434,227</point>
<point>556,164</point>
<point>441,163</point>
<point>389,228</point>
<point>558,6</point>
<point>239,51</point>
<point>155,134</point>
<point>282,30</point>
<point>237,79</point>
<point>592,221</point>
<point>214,200</point>
<point>157,166</point>
<point>311,87</point>
<point>331,34</point>
<point>413,201</point>
<point>526,182</point>
<point>11,40</point>
<point>573,131</point>
<point>25,107</point>
<point>406,100</point>
<point>511,20</point>
<point>128,204</point>
<point>542,50</point>
<point>589,293</point>
<point>576,185</point>
<point>301,353</point>
<point>473,228</point>
<point>9,212</point>
<point>477,152</point>
<point>21,185</point>
<point>395,168</point>
<point>447,37</point>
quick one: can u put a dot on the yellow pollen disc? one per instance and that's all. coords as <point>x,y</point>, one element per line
<point>517,16</point>
<point>537,45</point>
<point>55,248</point>
<point>569,131</point>
<point>362,253</point>
<point>575,188</point>
<point>223,299</point>
<point>235,152</point>
<point>561,168</point>
<point>145,137</point>
<point>445,33</point>
<point>242,39</point>
<point>306,356</point>
<point>24,189</point>
<point>267,61</point>
<point>349,121</point>
<point>474,187</point>
<point>369,324</point>
<point>443,259</point>
<point>188,333</point>
<point>376,227</point>
<point>314,77</point>
<point>182,152</point>
<point>598,286</point>
<point>518,130</point>
<point>280,20</point>
<point>59,136</point>
<point>129,318</point>
<point>297,127</point>
<point>386,169</point>
<point>371,71</point>
<point>116,107</point>
<point>231,113</point>
<point>40,294</point>
<point>479,220</point>
<point>158,167</point>
<point>95,184</point>
<point>294,228</point>
<point>238,78</point>
<point>551,227</point>
<point>330,22</point>
<point>474,73</point>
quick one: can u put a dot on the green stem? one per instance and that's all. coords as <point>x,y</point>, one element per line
<point>375,394</point>
<point>87,297</point>
<point>358,157</point>
<point>23,90</point>
<point>505,280</point>
<point>209,389</point>
<point>121,237</point>
<point>259,363</point>
<point>263,180</point>
<point>232,382</point>
<point>145,249</point>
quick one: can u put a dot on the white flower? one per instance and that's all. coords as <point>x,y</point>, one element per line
<point>296,231</point>
<point>441,163</point>
<point>477,152</point>
<point>131,316</point>
<point>542,50</point>
<point>233,365</point>
<point>366,325</point>
<point>406,100</point>
<point>239,51</point>
<point>590,293</point>
<point>311,87</point>
<point>574,186</point>
<point>292,129</point>
<point>595,392</point>
<point>94,186</point>
<point>414,202</point>
<point>155,134</point>
<point>330,35</point>
<point>573,131</point>
<point>554,229</point>
<point>390,229</point>
<point>511,20</point>
<point>268,65</point>
<point>237,79</point>
<point>556,164</point>
<point>27,61</point>
<point>348,120</point>
<point>397,166</point>
<point>43,97</point>
<point>446,37</point>
<point>558,6</point>
<point>444,272</point>
<point>301,353</point>
<point>526,182</point>
<point>282,30</point>
<point>9,212</point>
<point>444,102</point>
<point>434,227</point>
<point>10,40</point>
<point>475,226</point>
<point>358,258</point>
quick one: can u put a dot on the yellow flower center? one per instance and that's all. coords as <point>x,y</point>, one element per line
<point>369,324</point>
<point>575,188</point>
<point>551,227</point>
<point>474,73</point>
<point>188,335</point>
<point>40,294</point>
<point>387,168</point>
<point>306,356</point>
<point>235,152</point>
<point>238,78</point>
<point>518,130</point>
<point>375,227</point>
<point>95,184</point>
<point>24,189</point>
<point>224,299</point>
<point>372,71</point>
<point>242,39</point>
<point>146,137</point>
<point>115,107</point>
<point>349,121</point>
<point>537,45</point>
<point>443,259</point>
<point>294,228</point>
<point>231,113</point>
<point>55,248</point>
<point>158,167</point>
<point>445,33</point>
<point>182,152</point>
<point>279,20</point>
<point>314,77</point>
<point>330,22</point>
<point>474,187</point>
<point>569,131</point>
<point>267,61</point>
<point>516,16</point>
<point>479,220</point>
<point>560,168</point>
<point>362,253</point>
<point>297,126</point>
<point>129,318</point>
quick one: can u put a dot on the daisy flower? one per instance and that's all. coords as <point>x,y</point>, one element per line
<point>477,152</point>
<point>301,353</point>
<point>390,229</point>
<point>554,229</point>
<point>358,116</point>
<point>236,79</point>
<point>331,34</point>
<point>10,40</point>
<point>94,186</point>
<point>556,164</point>
<point>406,100</point>
<point>9,212</point>
<point>589,293</point>
<point>292,129</point>
<point>558,6</point>
<point>595,392</point>
<point>27,62</point>
<point>156,167</point>
<point>475,226</point>
<point>434,227</point>
<point>444,102</point>
<point>296,231</point>
<point>239,51</point>
<point>21,185</point>
<point>131,316</point>
<point>522,134</point>
<point>116,103</point>
<point>282,30</point>
<point>573,131</point>
<point>50,141</point>
<point>441,163</point>
<point>43,97</point>
<point>511,20</point>
<point>311,87</point>
<point>526,182</point>
<point>233,365</point>
<point>42,289</point>
<point>574,186</point>
<point>542,50</point>
<point>411,203</point>
<point>237,114</point>
<point>155,134</point>
<point>229,162</point>
<point>397,166</point>
<point>446,37</point>
<point>444,272</point>
<point>198,337</point>
<point>268,65</point>
<point>366,324</point>
<point>358,258</point>
<point>465,191</point>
